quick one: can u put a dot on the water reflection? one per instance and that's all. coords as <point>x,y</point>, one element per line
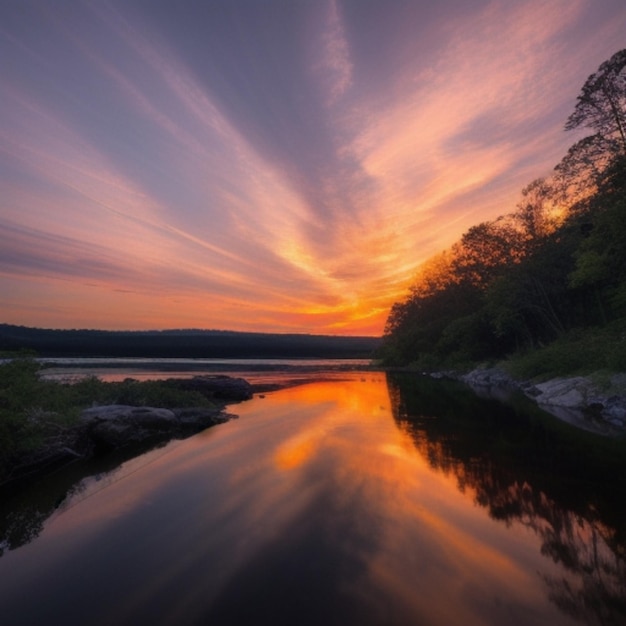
<point>567,487</point>
<point>345,503</point>
<point>27,504</point>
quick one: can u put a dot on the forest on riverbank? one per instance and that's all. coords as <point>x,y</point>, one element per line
<point>545,283</point>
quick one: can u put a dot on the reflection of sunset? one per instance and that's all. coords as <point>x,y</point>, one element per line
<point>333,399</point>
<point>295,452</point>
<point>397,476</point>
<point>316,488</point>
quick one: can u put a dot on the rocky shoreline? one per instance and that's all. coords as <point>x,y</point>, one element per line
<point>577,399</point>
<point>108,428</point>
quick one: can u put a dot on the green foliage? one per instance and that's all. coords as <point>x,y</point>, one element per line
<point>601,257</point>
<point>152,393</point>
<point>426,362</point>
<point>578,352</point>
<point>466,339</point>
<point>20,389</point>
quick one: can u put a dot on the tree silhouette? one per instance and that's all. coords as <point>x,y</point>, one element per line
<point>601,105</point>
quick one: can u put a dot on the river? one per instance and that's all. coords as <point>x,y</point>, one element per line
<point>364,499</point>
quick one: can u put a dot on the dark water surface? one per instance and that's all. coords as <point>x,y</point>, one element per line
<point>365,501</point>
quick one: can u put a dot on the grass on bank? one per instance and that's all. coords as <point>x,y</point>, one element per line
<point>33,409</point>
<point>599,351</point>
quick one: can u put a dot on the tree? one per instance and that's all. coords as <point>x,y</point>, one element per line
<point>535,214</point>
<point>601,105</point>
<point>601,108</point>
<point>579,171</point>
<point>485,252</point>
<point>601,256</point>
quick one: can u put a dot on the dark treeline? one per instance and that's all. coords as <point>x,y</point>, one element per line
<point>182,344</point>
<point>552,270</point>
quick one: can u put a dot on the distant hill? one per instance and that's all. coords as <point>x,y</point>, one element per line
<point>183,344</point>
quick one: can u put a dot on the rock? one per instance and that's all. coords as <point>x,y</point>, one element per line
<point>487,377</point>
<point>489,383</point>
<point>615,409</point>
<point>116,425</point>
<point>579,394</point>
<point>138,417</point>
<point>566,392</point>
<point>142,416</point>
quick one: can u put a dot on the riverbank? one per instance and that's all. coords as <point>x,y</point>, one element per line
<point>45,425</point>
<point>591,402</point>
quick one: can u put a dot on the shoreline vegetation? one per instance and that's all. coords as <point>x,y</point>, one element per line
<point>46,424</point>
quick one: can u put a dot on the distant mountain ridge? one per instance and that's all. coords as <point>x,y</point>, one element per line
<point>180,343</point>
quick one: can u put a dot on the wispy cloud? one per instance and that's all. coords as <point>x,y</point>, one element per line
<point>335,67</point>
<point>468,120</point>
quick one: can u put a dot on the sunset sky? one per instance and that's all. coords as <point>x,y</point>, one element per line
<point>268,165</point>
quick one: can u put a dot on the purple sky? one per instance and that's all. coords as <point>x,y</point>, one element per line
<point>270,165</point>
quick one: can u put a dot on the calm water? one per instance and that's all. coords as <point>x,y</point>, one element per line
<point>364,501</point>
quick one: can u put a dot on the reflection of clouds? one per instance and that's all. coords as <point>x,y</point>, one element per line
<point>359,529</point>
<point>421,534</point>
